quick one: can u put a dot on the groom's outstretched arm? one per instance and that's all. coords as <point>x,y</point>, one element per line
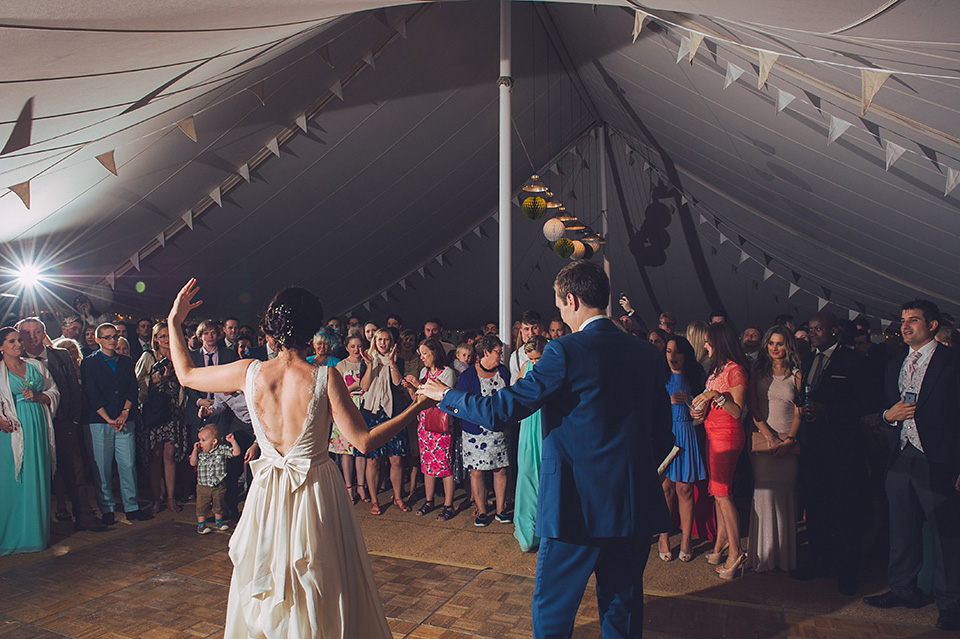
<point>510,405</point>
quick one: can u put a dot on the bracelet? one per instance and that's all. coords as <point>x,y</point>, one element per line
<point>790,437</point>
<point>720,401</point>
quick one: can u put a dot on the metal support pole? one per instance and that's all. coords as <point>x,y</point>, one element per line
<point>505,241</point>
<point>603,208</point>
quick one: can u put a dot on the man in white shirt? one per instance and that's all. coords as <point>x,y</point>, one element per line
<point>529,326</point>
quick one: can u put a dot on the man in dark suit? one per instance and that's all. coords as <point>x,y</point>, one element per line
<point>923,477</point>
<point>209,354</point>
<point>833,455</point>
<point>606,427</point>
<point>70,461</point>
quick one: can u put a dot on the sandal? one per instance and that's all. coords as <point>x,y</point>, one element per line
<point>447,513</point>
<point>353,497</point>
<point>364,497</point>
<point>427,507</point>
<point>63,514</point>
<point>399,504</point>
<point>375,508</point>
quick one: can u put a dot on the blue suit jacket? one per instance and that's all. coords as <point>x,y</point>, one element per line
<point>104,388</point>
<point>606,427</point>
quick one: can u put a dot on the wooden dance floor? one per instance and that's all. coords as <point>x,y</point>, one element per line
<point>161,580</point>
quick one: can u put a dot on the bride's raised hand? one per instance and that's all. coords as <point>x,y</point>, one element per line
<point>183,303</point>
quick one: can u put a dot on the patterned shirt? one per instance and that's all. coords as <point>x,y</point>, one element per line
<point>908,431</point>
<point>212,466</point>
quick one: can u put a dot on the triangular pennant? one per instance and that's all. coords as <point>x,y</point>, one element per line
<point>723,238</point>
<point>953,178</point>
<point>783,99</point>
<point>684,49</point>
<point>112,280</point>
<point>796,276</point>
<point>851,314</point>
<point>631,158</point>
<point>381,16</point>
<point>22,130</point>
<point>931,155</point>
<point>439,259</point>
<point>386,298</point>
<point>366,305</point>
<point>553,169</point>
<point>215,196</point>
<point>870,83</point>
<point>258,90</point>
<point>837,127</point>
<point>108,162</point>
<point>827,293</point>
<point>324,53</point>
<point>188,219</point>
<point>162,239</point>
<point>401,28</point>
<point>814,100</point>
<point>584,165</point>
<point>894,151</point>
<point>496,217</point>
<point>186,125</point>
<point>459,245</point>
<point>572,194</point>
<point>767,60</point>
<point>369,59</point>
<point>683,200</point>
<point>302,122</point>
<point>23,192</point>
<point>695,40</point>
<point>639,19</point>
<point>516,201</point>
<point>274,146</point>
<point>403,284</point>
<point>743,256</point>
<point>733,73</point>
<point>703,220</point>
<point>793,289</point>
<point>821,303</point>
<point>767,273</point>
<point>422,272</point>
<point>244,172</point>
<point>135,260</point>
<point>646,165</point>
<point>478,232</point>
<point>884,323</point>
<point>337,89</point>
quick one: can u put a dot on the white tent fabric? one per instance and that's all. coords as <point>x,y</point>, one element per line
<point>350,147</point>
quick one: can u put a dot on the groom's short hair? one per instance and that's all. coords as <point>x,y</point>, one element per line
<point>586,280</point>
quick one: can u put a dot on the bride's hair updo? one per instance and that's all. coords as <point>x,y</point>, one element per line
<point>293,318</point>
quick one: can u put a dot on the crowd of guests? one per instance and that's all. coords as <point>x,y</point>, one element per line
<point>797,421</point>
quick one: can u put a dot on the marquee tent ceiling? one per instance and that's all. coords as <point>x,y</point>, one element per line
<point>350,146</point>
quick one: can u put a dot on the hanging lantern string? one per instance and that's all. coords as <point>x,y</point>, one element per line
<point>523,146</point>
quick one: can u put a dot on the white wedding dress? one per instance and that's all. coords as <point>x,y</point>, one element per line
<point>300,567</point>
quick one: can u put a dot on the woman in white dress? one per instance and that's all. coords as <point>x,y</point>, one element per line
<point>300,565</point>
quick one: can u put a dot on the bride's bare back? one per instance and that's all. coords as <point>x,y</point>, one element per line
<point>281,395</point>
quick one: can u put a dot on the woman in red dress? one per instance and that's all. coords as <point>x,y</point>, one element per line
<point>721,405</point>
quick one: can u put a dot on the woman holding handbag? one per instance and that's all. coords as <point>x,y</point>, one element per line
<point>434,432</point>
<point>773,394</point>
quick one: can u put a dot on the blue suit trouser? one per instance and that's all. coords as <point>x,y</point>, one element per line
<point>108,445</point>
<point>563,570</point>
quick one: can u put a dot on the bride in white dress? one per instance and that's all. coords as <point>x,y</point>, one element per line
<point>300,565</point>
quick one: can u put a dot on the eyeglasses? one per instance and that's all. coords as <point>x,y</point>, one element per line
<point>114,336</point>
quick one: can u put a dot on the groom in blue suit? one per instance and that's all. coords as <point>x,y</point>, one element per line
<point>606,428</point>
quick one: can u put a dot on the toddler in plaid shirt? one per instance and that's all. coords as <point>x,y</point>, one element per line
<point>210,457</point>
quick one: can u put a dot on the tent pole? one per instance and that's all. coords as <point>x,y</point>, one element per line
<point>603,207</point>
<point>505,240</point>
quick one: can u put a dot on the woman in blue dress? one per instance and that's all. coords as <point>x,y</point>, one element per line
<point>28,398</point>
<point>528,462</point>
<point>685,383</point>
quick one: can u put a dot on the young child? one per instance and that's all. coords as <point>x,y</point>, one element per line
<point>210,457</point>
<point>464,358</point>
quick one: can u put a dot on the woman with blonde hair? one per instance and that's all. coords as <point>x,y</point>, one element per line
<point>697,336</point>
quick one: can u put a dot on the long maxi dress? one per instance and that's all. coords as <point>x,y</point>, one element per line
<point>528,480</point>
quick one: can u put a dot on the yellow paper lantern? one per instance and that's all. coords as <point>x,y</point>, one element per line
<point>563,247</point>
<point>534,207</point>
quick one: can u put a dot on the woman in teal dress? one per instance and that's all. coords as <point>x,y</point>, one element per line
<point>28,398</point>
<point>528,463</point>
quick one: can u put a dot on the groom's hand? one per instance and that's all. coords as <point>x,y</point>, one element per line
<point>433,389</point>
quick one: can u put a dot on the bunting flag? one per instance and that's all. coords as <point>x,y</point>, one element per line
<point>884,324</point>
<point>516,202</point>
<point>186,125</point>
<point>496,217</point>
<point>478,232</point>
<point>851,314</point>
<point>553,169</point>
<point>767,60</point>
<point>386,298</point>
<point>743,256</point>
<point>162,240</point>
<point>302,122</point>
<point>401,28</point>
<point>108,162</point>
<point>274,146</point>
<point>215,196</point>
<point>953,178</point>
<point>337,89</point>
<point>767,273</point>
<point>422,272</point>
<point>837,128</point>
<point>894,151</point>
<point>684,50</point>
<point>459,244</point>
<point>639,19</point>
<point>23,192</point>
<point>258,90</point>
<point>733,74</point>
<point>20,137</point>
<point>188,219</point>
<point>381,16</point>
<point>369,59</point>
<point>324,53</point>
<point>439,259</point>
<point>135,260</point>
<point>366,305</point>
<point>783,99</point>
<point>403,284</point>
<point>695,40</point>
<point>112,280</point>
<point>821,303</point>
<point>703,220</point>
<point>815,101</point>
<point>723,238</point>
<point>793,290</point>
<point>244,172</point>
<point>683,200</point>
<point>870,83</point>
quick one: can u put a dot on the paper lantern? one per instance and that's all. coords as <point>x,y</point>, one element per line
<point>563,247</point>
<point>588,251</point>
<point>553,229</point>
<point>534,207</point>
<point>578,250</point>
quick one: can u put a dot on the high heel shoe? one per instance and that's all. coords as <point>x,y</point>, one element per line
<point>685,556</point>
<point>666,556</point>
<point>731,573</point>
<point>715,558</point>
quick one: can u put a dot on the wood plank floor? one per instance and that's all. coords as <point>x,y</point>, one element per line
<point>163,581</point>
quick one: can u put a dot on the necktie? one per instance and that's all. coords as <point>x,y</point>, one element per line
<point>209,363</point>
<point>817,370</point>
<point>912,365</point>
